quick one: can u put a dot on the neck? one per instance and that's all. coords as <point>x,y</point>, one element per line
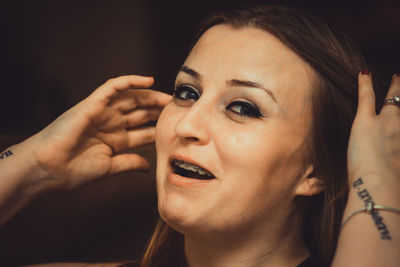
<point>276,244</point>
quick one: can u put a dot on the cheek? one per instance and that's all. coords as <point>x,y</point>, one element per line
<point>165,127</point>
<point>245,162</point>
<point>256,158</point>
<point>245,149</point>
<point>164,138</point>
<point>255,175</point>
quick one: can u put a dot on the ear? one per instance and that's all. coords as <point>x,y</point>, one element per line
<point>309,185</point>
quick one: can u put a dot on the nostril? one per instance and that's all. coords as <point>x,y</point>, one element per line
<point>191,138</point>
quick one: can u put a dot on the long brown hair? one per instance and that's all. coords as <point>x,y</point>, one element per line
<point>336,62</point>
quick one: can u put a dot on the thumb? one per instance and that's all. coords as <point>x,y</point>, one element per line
<point>128,162</point>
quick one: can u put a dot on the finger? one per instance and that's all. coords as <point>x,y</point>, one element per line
<point>394,90</point>
<point>128,162</point>
<point>142,116</point>
<point>114,86</point>
<point>142,136</point>
<point>366,95</point>
<point>151,98</point>
<point>131,99</point>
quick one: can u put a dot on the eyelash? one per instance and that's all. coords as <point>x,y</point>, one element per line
<point>192,94</point>
<point>178,90</point>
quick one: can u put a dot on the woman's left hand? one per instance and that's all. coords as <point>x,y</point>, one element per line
<point>373,162</point>
<point>374,146</point>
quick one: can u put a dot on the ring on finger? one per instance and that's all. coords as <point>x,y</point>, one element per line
<point>393,101</point>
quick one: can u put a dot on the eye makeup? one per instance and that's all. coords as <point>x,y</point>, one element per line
<point>244,109</point>
<point>186,92</point>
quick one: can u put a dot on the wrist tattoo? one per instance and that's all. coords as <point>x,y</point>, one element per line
<point>364,195</point>
<point>6,154</point>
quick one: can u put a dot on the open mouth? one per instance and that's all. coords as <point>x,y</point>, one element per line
<point>190,170</point>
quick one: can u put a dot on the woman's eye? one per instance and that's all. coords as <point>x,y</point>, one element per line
<point>185,92</point>
<point>244,109</point>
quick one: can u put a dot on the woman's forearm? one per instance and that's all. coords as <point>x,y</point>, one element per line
<point>21,179</point>
<point>85,144</point>
<point>370,239</point>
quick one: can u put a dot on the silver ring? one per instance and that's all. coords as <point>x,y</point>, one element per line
<point>393,101</point>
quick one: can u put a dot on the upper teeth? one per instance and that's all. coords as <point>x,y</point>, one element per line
<point>190,167</point>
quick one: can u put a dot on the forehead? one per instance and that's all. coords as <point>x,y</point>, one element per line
<point>224,52</point>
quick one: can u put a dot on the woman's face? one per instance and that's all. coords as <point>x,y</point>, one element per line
<point>241,112</point>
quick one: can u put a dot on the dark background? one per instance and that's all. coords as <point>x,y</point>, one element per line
<point>54,53</point>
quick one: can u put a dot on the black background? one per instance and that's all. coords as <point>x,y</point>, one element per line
<point>54,53</point>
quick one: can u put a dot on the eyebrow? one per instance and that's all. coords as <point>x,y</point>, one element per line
<point>233,82</point>
<point>191,72</point>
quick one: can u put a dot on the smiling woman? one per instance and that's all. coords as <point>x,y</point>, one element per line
<point>254,151</point>
<point>254,105</point>
<point>264,136</point>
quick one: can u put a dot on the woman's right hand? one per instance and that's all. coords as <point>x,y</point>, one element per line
<point>85,143</point>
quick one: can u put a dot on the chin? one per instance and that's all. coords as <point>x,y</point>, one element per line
<point>183,210</point>
<point>175,211</point>
<point>184,203</point>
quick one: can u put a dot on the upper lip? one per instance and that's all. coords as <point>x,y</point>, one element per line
<point>188,159</point>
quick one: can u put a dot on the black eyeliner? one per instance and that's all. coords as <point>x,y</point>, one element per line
<point>181,87</point>
<point>255,112</point>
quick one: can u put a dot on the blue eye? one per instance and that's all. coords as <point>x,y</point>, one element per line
<point>244,109</point>
<point>185,92</point>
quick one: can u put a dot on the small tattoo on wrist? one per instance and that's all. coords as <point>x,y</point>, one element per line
<point>6,154</point>
<point>364,195</point>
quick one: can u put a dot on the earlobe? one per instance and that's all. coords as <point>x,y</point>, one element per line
<point>309,185</point>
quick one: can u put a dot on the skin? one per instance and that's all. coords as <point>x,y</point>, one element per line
<point>373,155</point>
<point>79,148</point>
<point>258,162</point>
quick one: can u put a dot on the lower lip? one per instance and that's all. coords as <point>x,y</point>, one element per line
<point>182,181</point>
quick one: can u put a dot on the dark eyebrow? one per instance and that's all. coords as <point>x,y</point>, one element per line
<point>235,82</point>
<point>191,72</point>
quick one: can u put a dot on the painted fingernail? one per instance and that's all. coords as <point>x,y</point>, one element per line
<point>365,72</point>
<point>398,74</point>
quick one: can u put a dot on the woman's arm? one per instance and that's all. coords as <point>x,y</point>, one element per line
<point>373,239</point>
<point>21,179</point>
<point>84,144</point>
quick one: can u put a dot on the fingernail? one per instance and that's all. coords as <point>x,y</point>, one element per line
<point>398,74</point>
<point>365,72</point>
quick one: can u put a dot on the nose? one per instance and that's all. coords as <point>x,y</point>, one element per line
<point>193,126</point>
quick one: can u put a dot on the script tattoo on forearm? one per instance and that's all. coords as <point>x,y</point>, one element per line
<point>6,154</point>
<point>378,220</point>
